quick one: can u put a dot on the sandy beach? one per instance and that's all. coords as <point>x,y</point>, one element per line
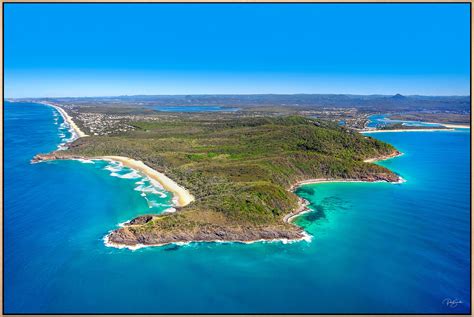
<point>335,180</point>
<point>181,194</point>
<point>79,133</point>
<point>303,204</point>
<point>182,197</point>
<point>456,126</point>
<point>405,130</point>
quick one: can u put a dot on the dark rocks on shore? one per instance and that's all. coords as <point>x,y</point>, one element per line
<point>128,236</point>
<point>140,220</point>
<point>57,155</point>
<point>386,177</point>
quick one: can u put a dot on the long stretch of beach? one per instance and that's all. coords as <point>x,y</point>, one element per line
<point>182,197</point>
<point>67,118</point>
<point>405,130</point>
<point>444,127</point>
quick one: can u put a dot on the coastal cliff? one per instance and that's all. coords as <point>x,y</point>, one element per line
<point>133,234</point>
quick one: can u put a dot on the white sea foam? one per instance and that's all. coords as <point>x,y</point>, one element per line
<point>62,129</point>
<point>149,189</point>
<point>122,224</point>
<point>175,201</point>
<point>155,183</point>
<point>133,174</point>
<point>113,167</point>
<point>145,185</point>
<point>73,136</point>
<point>306,238</point>
<point>120,246</point>
<point>153,203</point>
<point>400,180</point>
<point>86,161</point>
<point>116,169</point>
<point>62,146</point>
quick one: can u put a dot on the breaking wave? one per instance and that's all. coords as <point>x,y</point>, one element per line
<point>151,190</point>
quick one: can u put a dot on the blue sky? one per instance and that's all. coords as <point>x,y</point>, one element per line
<point>124,49</point>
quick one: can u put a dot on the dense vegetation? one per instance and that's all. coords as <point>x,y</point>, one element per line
<point>240,169</point>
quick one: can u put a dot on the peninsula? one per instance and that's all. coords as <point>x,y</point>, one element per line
<point>235,175</point>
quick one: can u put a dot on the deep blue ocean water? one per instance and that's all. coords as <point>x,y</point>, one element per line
<point>376,248</point>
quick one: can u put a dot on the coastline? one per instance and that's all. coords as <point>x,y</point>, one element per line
<point>383,158</point>
<point>451,127</point>
<point>303,203</point>
<point>288,218</point>
<point>456,126</point>
<point>405,130</point>
<point>68,119</point>
<point>182,197</point>
<point>305,237</point>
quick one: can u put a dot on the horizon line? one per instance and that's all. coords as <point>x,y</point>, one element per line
<point>239,94</point>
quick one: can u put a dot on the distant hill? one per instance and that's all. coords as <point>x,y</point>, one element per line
<point>398,97</point>
<point>371,103</point>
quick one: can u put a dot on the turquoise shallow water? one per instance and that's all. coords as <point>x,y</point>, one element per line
<point>377,248</point>
<point>383,119</point>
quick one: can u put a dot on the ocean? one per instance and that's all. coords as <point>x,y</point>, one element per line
<point>376,248</point>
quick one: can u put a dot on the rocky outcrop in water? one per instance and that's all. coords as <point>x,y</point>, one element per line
<point>131,235</point>
<point>57,155</point>
<point>140,220</point>
<point>380,177</point>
